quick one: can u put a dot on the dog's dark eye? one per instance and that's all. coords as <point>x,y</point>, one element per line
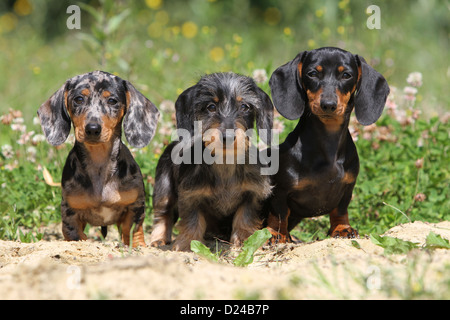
<point>79,100</point>
<point>346,75</point>
<point>245,107</point>
<point>211,108</point>
<point>112,101</point>
<point>313,74</point>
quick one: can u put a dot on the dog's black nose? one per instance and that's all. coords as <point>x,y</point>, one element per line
<point>228,137</point>
<point>93,130</point>
<point>328,106</point>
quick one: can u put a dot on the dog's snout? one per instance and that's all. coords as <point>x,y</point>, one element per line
<point>328,106</point>
<point>228,137</point>
<point>93,130</point>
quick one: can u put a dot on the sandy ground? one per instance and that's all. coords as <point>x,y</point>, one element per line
<point>327,269</point>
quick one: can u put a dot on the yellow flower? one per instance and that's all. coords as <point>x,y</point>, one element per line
<point>205,30</point>
<point>287,31</point>
<point>217,54</point>
<point>311,43</point>
<point>23,7</point>
<point>8,22</point>
<point>36,70</point>
<point>235,52</point>
<point>155,30</point>
<point>341,29</point>
<point>189,29</point>
<point>319,12</point>
<point>155,63</point>
<point>342,4</point>
<point>272,16</point>
<point>162,17</point>
<point>237,38</point>
<point>153,4</point>
<point>176,30</point>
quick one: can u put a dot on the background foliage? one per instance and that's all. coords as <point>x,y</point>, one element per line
<point>165,46</point>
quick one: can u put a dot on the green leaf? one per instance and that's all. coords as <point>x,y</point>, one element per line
<point>375,239</point>
<point>356,244</point>
<point>393,245</point>
<point>91,10</point>
<point>98,34</point>
<point>89,39</point>
<point>253,243</point>
<point>202,250</point>
<point>115,21</point>
<point>435,241</point>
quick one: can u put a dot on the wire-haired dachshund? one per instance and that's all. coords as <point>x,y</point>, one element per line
<point>220,198</point>
<point>318,160</point>
<point>101,182</point>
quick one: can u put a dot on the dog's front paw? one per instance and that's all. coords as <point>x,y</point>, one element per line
<point>343,231</point>
<point>183,244</point>
<point>158,243</point>
<point>278,237</point>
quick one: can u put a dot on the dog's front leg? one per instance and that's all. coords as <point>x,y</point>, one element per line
<point>192,226</point>
<point>134,215</point>
<point>277,221</point>
<point>245,222</point>
<point>339,222</point>
<point>72,225</point>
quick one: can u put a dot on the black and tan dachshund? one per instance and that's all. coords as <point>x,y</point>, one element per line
<point>101,182</point>
<point>318,161</point>
<point>216,191</point>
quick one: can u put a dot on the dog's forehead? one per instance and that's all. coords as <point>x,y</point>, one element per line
<point>227,85</point>
<point>330,58</point>
<point>97,81</point>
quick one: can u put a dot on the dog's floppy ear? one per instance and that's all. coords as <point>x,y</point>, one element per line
<point>286,88</point>
<point>141,117</point>
<point>371,95</point>
<point>264,117</point>
<point>184,109</point>
<point>55,121</point>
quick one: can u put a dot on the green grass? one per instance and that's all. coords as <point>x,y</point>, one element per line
<point>166,49</point>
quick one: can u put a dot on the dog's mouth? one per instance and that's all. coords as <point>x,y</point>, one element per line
<point>92,142</point>
<point>215,143</point>
<point>102,137</point>
<point>232,144</point>
<point>326,117</point>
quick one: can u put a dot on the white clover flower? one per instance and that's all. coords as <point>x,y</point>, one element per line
<point>414,79</point>
<point>18,125</point>
<point>278,126</point>
<point>410,93</point>
<point>19,120</point>
<point>259,75</point>
<point>25,137</point>
<point>31,154</point>
<point>7,151</point>
<point>166,129</point>
<point>167,106</point>
<point>37,139</point>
